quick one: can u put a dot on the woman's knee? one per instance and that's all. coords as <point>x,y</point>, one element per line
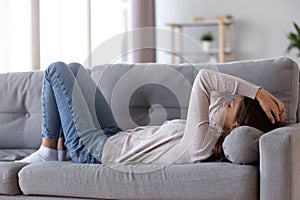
<point>61,67</point>
<point>55,67</point>
<point>75,67</point>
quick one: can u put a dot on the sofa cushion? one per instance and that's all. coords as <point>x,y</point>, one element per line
<point>128,181</point>
<point>9,177</point>
<point>280,76</point>
<point>149,94</point>
<point>24,197</point>
<point>14,154</point>
<point>241,145</point>
<point>20,109</point>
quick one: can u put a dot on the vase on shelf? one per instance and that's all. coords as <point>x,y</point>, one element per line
<point>206,40</point>
<point>206,45</point>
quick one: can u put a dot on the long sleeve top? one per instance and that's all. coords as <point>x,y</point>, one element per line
<point>180,141</point>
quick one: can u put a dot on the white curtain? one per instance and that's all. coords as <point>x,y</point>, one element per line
<point>68,31</point>
<point>15,35</point>
<point>63,31</point>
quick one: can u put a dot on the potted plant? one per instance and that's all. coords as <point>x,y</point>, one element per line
<point>206,40</point>
<point>294,39</point>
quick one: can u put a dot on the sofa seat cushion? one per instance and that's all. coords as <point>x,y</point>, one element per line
<point>29,197</point>
<point>14,154</point>
<point>129,181</point>
<point>9,177</point>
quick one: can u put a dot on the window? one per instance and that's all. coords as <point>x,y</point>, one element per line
<point>68,30</point>
<point>15,38</point>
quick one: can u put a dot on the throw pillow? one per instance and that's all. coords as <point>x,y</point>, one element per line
<point>241,145</point>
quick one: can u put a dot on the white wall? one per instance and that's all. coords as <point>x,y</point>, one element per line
<point>260,26</point>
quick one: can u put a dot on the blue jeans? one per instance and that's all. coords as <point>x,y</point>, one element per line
<point>73,105</point>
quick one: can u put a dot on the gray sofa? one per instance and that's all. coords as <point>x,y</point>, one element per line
<point>142,94</point>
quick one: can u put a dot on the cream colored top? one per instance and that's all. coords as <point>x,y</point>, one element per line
<point>180,141</point>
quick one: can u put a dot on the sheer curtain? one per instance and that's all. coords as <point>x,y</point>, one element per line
<point>68,30</point>
<point>63,31</point>
<point>15,35</point>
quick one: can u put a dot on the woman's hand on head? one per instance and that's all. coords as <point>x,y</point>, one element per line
<point>272,106</point>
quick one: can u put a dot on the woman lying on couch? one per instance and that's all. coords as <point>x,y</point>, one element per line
<point>72,105</point>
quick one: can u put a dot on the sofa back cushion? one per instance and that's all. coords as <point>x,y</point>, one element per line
<point>149,94</point>
<point>280,76</point>
<point>145,94</point>
<point>20,109</point>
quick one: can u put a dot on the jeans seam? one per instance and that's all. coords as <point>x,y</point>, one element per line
<point>69,101</point>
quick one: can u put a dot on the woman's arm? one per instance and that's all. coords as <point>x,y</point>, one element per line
<point>197,130</point>
<point>222,83</point>
<point>225,84</point>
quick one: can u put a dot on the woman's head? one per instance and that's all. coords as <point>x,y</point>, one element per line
<point>250,113</point>
<point>242,111</point>
<point>225,117</point>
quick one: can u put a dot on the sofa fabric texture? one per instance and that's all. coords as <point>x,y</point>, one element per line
<point>20,110</point>
<point>205,181</point>
<point>149,94</point>
<point>280,163</point>
<point>9,177</point>
<point>279,76</point>
<point>241,146</point>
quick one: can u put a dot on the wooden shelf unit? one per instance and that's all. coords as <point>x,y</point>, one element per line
<point>223,51</point>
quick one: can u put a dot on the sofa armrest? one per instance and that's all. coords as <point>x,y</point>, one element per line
<point>280,164</point>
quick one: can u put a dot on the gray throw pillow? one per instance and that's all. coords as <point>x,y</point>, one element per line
<point>241,145</point>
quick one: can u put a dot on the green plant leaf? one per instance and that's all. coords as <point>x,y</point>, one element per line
<point>207,37</point>
<point>297,28</point>
<point>292,37</point>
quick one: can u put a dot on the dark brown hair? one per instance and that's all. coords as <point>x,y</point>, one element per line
<point>251,114</point>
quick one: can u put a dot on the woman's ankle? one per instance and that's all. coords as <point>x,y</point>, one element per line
<point>60,144</point>
<point>49,143</point>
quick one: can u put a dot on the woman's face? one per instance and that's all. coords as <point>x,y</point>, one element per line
<point>225,116</point>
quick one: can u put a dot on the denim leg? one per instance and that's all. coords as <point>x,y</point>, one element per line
<point>98,106</point>
<point>84,135</point>
<point>51,126</point>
